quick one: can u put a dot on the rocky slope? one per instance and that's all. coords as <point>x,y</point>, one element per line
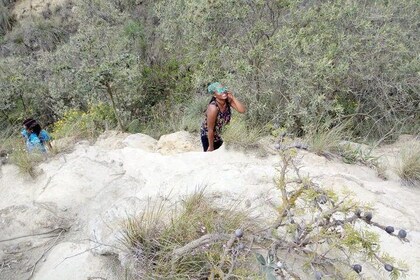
<point>66,221</point>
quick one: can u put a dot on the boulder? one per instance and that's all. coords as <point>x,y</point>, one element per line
<point>141,141</point>
<point>178,142</point>
<point>112,140</point>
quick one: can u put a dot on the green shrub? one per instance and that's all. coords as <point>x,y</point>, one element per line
<point>86,125</point>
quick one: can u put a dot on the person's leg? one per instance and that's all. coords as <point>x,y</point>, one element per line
<point>205,143</point>
<point>218,144</point>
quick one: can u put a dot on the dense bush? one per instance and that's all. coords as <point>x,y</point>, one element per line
<point>89,125</point>
<point>301,65</point>
<point>297,65</point>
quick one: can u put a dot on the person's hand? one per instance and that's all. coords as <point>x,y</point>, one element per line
<point>229,95</point>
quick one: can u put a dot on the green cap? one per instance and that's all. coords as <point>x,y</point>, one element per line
<point>216,87</point>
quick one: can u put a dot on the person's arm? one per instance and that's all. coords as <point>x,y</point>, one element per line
<point>235,103</point>
<point>211,121</point>
<point>46,139</point>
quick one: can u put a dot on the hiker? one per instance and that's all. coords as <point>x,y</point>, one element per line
<point>218,114</point>
<point>35,136</point>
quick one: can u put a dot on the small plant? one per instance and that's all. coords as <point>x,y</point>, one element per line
<point>409,164</point>
<point>323,231</point>
<point>6,19</point>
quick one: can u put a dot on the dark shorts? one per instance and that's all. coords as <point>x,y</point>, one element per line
<point>205,142</point>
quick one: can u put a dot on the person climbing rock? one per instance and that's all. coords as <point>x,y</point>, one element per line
<point>36,138</point>
<point>218,114</point>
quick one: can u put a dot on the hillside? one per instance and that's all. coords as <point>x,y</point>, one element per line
<point>90,191</point>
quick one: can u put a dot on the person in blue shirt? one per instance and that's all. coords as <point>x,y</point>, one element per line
<point>36,137</point>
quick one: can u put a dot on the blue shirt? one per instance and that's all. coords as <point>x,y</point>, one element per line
<point>36,142</point>
<point>44,136</point>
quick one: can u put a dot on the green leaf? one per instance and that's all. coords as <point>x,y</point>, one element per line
<point>260,258</point>
<point>270,276</point>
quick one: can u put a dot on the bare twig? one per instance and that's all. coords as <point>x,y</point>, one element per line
<point>205,239</point>
<point>78,254</point>
<point>43,254</point>
<point>36,234</point>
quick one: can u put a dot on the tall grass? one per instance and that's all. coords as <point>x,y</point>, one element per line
<point>25,161</point>
<point>408,168</point>
<point>5,18</point>
<point>168,119</point>
<point>241,135</point>
<point>325,141</point>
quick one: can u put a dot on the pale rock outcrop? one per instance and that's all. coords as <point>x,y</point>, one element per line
<point>178,142</point>
<point>141,141</point>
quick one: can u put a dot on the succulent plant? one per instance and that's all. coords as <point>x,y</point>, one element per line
<point>322,199</point>
<point>239,233</point>
<point>388,267</point>
<point>389,229</point>
<point>402,233</point>
<point>357,268</point>
<point>368,216</point>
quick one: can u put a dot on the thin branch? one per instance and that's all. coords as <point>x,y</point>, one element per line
<point>43,254</point>
<point>36,234</point>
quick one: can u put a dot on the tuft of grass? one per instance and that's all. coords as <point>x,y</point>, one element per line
<point>153,236</point>
<point>239,134</point>
<point>6,19</point>
<point>408,168</point>
<point>26,162</point>
<point>352,154</point>
<point>325,141</point>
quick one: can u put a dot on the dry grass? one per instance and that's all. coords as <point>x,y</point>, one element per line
<point>238,134</point>
<point>26,162</point>
<point>408,168</point>
<point>153,237</point>
<point>326,141</point>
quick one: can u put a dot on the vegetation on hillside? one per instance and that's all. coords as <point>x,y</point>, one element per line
<point>298,65</point>
<point>313,234</point>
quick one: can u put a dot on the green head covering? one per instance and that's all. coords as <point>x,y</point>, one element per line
<point>216,87</point>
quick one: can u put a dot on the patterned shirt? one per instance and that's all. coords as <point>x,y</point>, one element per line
<point>222,119</point>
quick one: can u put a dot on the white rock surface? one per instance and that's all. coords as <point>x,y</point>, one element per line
<point>141,141</point>
<point>73,261</point>
<point>178,142</point>
<point>95,186</point>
